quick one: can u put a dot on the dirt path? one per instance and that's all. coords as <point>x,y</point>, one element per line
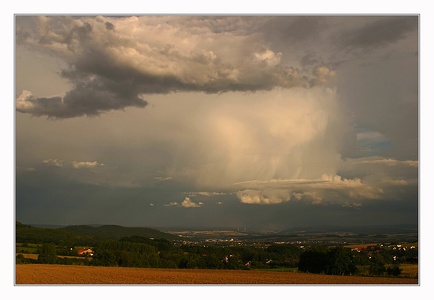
<point>60,274</point>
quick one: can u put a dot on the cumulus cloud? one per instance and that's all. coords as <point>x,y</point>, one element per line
<point>75,164</point>
<point>390,162</point>
<point>54,162</point>
<point>205,194</point>
<point>327,189</point>
<point>372,178</point>
<point>264,196</point>
<point>115,62</point>
<point>188,203</point>
<point>86,164</point>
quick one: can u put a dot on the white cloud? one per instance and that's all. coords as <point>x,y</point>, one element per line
<point>54,162</point>
<point>188,203</point>
<point>389,162</point>
<point>372,178</point>
<point>397,182</point>
<point>23,103</point>
<point>86,164</point>
<point>268,196</point>
<point>205,194</point>
<point>172,204</point>
<point>269,58</point>
<point>327,189</point>
<point>75,164</point>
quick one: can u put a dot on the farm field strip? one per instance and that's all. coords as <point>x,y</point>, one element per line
<point>60,274</point>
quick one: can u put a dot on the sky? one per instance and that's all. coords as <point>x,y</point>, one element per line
<point>237,121</point>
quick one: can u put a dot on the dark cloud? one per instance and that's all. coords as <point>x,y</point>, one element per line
<point>109,26</point>
<point>88,98</point>
<point>46,198</point>
<point>111,69</point>
<point>295,29</point>
<point>378,33</point>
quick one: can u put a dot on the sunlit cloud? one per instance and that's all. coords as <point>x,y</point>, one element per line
<point>389,162</point>
<point>54,162</point>
<point>206,194</point>
<point>327,189</point>
<point>188,203</point>
<point>86,164</point>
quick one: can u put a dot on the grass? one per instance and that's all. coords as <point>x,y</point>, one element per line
<point>26,248</point>
<point>31,256</point>
<point>407,270</point>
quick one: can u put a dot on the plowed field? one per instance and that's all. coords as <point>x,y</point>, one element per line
<point>60,274</point>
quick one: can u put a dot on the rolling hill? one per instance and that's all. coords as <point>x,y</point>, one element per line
<point>117,232</point>
<point>84,234</point>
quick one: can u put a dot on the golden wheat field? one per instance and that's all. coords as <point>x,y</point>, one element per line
<point>61,274</point>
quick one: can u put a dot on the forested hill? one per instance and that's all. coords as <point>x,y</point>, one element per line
<point>83,234</point>
<point>118,232</point>
<point>29,234</point>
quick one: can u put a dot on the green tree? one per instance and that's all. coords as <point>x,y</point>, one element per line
<point>393,271</point>
<point>377,265</point>
<point>103,257</point>
<point>360,258</point>
<point>340,262</point>
<point>337,261</point>
<point>47,254</point>
<point>313,261</point>
<point>20,259</point>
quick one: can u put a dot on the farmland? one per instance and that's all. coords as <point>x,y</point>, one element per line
<point>60,274</point>
<point>116,246</point>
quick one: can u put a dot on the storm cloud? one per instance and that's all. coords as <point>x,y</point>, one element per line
<point>378,33</point>
<point>115,63</point>
<point>247,120</point>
